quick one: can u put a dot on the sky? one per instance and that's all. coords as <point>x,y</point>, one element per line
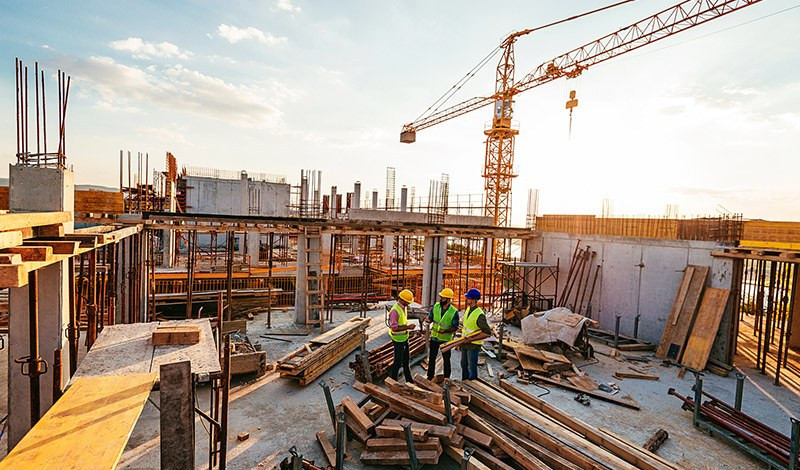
<point>707,120</point>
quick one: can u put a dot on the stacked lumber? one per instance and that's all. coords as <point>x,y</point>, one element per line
<point>379,360</point>
<point>379,422</point>
<point>321,353</point>
<point>693,323</point>
<point>526,432</point>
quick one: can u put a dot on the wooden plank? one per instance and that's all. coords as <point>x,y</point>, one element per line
<point>385,430</point>
<point>327,448</point>
<point>13,275</point>
<point>354,411</point>
<point>177,416</point>
<point>635,375</point>
<point>60,247</point>
<point>87,428</point>
<point>31,253</point>
<point>633,456</point>
<point>404,407</point>
<point>673,339</point>
<point>520,455</point>
<point>10,258</point>
<point>705,328</point>
<point>457,454</point>
<point>16,221</point>
<point>394,443</point>
<point>167,334</point>
<point>426,457</point>
<point>475,436</point>
<point>9,239</point>
<point>442,432</point>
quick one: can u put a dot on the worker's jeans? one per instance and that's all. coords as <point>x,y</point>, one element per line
<point>400,357</point>
<point>434,351</point>
<point>469,363</point>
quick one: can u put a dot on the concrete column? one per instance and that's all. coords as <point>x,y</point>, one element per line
<point>31,190</point>
<point>356,203</point>
<point>168,236</point>
<point>403,199</point>
<point>253,246</point>
<point>300,299</point>
<point>333,205</point>
<point>374,200</point>
<point>432,269</point>
<point>388,249</point>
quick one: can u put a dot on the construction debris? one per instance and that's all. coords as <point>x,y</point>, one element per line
<point>656,440</point>
<point>320,354</point>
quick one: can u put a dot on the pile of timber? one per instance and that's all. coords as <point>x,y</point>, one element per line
<point>321,353</point>
<point>525,432</point>
<point>379,360</point>
<point>693,323</point>
<point>535,364</point>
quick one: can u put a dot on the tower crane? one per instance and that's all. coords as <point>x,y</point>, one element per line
<point>498,171</point>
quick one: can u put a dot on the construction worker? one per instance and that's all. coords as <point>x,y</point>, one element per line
<point>444,320</point>
<point>474,320</point>
<point>398,331</point>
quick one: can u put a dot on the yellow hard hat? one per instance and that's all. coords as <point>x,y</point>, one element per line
<point>406,295</point>
<point>447,293</point>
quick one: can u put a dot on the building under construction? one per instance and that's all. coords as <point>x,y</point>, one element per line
<point>208,317</point>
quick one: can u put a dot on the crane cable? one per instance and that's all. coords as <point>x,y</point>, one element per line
<point>460,83</point>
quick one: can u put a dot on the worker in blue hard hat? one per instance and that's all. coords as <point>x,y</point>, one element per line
<point>398,331</point>
<point>444,322</point>
<point>474,320</point>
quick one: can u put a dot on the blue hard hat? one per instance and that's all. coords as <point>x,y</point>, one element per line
<point>473,294</point>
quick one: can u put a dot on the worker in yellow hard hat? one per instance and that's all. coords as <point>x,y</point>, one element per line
<point>474,320</point>
<point>398,331</point>
<point>444,321</point>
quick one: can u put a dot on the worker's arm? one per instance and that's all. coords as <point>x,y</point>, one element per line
<point>397,328</point>
<point>453,325</point>
<point>484,325</point>
<point>429,318</point>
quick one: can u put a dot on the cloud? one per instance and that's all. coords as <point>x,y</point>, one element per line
<point>141,49</point>
<point>175,87</point>
<point>164,134</point>
<point>235,34</point>
<point>286,5</point>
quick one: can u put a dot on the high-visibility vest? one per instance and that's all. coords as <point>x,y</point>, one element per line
<point>471,322</point>
<point>402,320</point>
<point>442,322</point>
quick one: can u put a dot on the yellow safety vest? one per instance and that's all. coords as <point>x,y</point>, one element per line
<point>442,322</point>
<point>402,320</point>
<point>471,322</point>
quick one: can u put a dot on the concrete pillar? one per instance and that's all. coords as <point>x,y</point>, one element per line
<point>38,189</point>
<point>334,206</point>
<point>374,200</point>
<point>388,249</point>
<point>168,236</point>
<point>432,269</point>
<point>356,203</point>
<point>301,282</point>
<point>253,246</point>
<point>403,199</point>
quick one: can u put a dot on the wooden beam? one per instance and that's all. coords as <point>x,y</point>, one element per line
<point>16,221</point>
<point>327,448</point>
<point>60,247</point>
<point>177,416</point>
<point>9,239</point>
<point>31,253</point>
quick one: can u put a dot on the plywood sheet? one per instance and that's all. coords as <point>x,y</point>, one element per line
<point>705,328</point>
<point>682,314</point>
<point>129,349</point>
<point>87,428</point>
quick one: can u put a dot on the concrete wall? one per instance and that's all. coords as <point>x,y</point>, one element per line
<point>221,196</point>
<point>638,276</point>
